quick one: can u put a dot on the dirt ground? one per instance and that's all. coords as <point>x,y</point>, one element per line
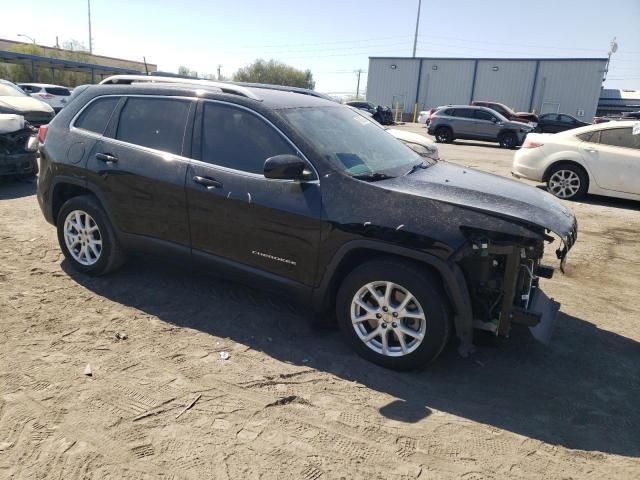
<point>294,402</point>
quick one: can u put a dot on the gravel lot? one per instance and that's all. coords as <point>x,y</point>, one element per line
<point>294,402</point>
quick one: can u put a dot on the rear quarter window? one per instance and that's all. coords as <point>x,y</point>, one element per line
<point>59,91</point>
<point>96,116</point>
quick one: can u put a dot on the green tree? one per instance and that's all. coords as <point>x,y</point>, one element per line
<point>274,72</point>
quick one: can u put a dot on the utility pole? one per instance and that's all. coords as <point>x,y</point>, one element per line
<point>359,72</point>
<point>415,38</point>
<point>219,68</point>
<point>89,14</point>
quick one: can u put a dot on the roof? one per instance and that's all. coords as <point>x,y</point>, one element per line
<point>270,98</point>
<point>541,59</point>
<point>45,85</point>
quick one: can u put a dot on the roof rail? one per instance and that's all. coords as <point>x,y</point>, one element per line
<point>223,86</point>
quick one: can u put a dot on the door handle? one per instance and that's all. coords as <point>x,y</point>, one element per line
<point>207,182</point>
<point>106,157</point>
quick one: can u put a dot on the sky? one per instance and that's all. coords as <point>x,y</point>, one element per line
<point>334,38</point>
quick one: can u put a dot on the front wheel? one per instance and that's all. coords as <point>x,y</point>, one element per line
<point>508,140</point>
<point>394,313</point>
<point>86,236</point>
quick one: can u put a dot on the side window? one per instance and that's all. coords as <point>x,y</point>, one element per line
<point>96,116</point>
<point>235,138</point>
<point>550,117</point>
<point>566,119</point>
<point>619,137</point>
<point>157,123</point>
<point>482,115</point>
<point>463,113</point>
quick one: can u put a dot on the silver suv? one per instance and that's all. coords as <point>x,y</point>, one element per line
<point>476,123</point>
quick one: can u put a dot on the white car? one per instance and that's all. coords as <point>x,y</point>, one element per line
<point>423,146</point>
<point>54,95</point>
<point>603,159</point>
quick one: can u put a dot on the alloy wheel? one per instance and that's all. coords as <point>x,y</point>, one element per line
<point>82,237</point>
<point>564,183</point>
<point>388,318</point>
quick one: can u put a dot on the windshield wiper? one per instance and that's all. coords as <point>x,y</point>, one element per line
<point>417,166</point>
<point>373,176</point>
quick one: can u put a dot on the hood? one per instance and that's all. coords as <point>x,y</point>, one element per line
<point>491,194</point>
<point>24,104</point>
<point>410,137</point>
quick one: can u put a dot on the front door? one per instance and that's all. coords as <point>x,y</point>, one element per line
<point>615,159</point>
<point>486,125</point>
<point>140,167</point>
<point>270,225</point>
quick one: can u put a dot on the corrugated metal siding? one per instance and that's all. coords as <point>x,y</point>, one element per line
<point>450,83</point>
<point>510,84</point>
<point>386,85</point>
<point>570,87</point>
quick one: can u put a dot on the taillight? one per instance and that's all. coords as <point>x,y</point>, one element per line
<point>45,95</point>
<point>42,133</point>
<point>529,143</point>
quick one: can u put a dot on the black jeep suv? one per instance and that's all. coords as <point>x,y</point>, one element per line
<point>307,198</point>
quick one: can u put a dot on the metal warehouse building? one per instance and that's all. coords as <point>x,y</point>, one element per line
<point>567,85</point>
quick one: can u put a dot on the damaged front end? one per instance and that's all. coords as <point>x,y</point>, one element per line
<point>503,279</point>
<point>18,146</point>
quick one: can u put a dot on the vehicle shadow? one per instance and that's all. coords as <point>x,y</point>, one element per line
<point>471,143</point>
<point>580,392</point>
<point>11,187</point>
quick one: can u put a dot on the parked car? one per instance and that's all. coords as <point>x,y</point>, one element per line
<point>298,195</point>
<point>425,115</point>
<point>18,146</point>
<point>14,101</point>
<point>54,95</point>
<point>602,159</point>
<point>476,123</point>
<point>631,116</point>
<point>381,114</point>
<point>506,112</point>
<point>558,122</point>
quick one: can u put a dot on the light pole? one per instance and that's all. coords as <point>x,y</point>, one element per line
<point>33,40</point>
<point>359,72</point>
<point>89,15</point>
<point>415,38</point>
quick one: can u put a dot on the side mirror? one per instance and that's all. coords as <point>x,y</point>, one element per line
<point>286,167</point>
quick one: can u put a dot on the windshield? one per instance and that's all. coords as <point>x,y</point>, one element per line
<point>351,142</point>
<point>8,90</point>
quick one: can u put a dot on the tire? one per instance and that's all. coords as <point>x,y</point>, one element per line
<point>83,220</point>
<point>508,140</point>
<point>429,302</point>
<point>567,181</point>
<point>444,135</point>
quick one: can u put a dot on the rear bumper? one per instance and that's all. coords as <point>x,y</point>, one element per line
<point>18,164</point>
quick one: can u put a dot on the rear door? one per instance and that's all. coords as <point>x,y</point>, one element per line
<point>615,159</point>
<point>463,122</point>
<point>140,165</point>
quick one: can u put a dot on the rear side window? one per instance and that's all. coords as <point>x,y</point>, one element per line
<point>619,137</point>
<point>60,91</point>
<point>157,123</point>
<point>463,113</point>
<point>591,137</point>
<point>235,138</point>
<point>96,116</point>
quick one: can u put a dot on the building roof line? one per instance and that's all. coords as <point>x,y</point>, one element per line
<point>531,59</point>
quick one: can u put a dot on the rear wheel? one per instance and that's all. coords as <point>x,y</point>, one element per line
<point>508,140</point>
<point>394,314</point>
<point>567,181</point>
<point>87,238</point>
<point>444,135</point>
